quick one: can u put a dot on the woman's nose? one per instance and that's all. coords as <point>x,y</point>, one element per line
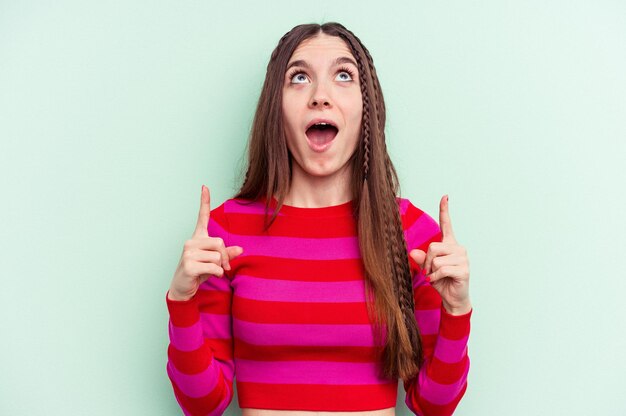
<point>319,102</point>
<point>320,98</point>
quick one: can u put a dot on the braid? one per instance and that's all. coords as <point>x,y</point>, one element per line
<point>377,94</point>
<point>404,285</point>
<point>403,281</point>
<point>365,130</point>
<point>366,137</point>
<point>409,361</point>
<point>394,231</point>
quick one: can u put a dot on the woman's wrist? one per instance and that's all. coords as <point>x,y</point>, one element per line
<point>171,295</point>
<point>461,309</point>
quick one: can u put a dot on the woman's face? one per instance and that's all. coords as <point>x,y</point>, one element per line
<point>322,107</point>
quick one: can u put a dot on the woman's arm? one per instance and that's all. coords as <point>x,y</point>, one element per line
<point>442,379</point>
<point>200,354</point>
<point>200,363</point>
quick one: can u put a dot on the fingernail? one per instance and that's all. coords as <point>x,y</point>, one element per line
<point>428,279</point>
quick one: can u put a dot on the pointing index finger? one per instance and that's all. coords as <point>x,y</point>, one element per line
<point>444,219</point>
<point>204,214</point>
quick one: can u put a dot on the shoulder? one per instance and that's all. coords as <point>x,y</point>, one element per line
<point>236,206</point>
<point>419,227</point>
<point>236,216</point>
<point>410,213</point>
<point>221,216</point>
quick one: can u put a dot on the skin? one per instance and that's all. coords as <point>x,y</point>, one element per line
<point>203,256</point>
<point>446,266</point>
<point>322,90</point>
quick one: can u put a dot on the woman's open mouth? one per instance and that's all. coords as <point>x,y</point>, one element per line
<point>320,135</point>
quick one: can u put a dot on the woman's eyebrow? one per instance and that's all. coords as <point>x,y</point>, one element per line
<point>345,60</point>
<point>299,62</point>
<point>338,61</point>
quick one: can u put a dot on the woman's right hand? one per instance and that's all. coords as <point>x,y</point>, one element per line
<point>202,257</point>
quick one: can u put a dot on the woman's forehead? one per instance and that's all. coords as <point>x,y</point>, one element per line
<point>321,45</point>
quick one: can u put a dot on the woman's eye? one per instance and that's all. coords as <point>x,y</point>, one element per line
<point>299,78</point>
<point>344,76</point>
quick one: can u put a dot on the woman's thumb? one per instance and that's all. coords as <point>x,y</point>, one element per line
<point>233,251</point>
<point>418,256</point>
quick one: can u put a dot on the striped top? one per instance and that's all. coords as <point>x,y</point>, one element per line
<point>290,320</point>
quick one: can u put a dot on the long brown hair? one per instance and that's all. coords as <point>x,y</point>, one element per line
<point>374,184</point>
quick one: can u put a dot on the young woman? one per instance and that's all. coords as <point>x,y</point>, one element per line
<point>316,285</point>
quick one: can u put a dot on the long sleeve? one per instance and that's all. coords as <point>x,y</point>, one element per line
<point>200,362</point>
<point>442,379</point>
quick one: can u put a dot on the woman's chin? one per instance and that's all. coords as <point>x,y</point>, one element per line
<point>317,171</point>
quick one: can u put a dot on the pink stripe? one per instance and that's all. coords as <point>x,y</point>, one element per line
<point>294,291</point>
<point>440,394</point>
<point>236,207</point>
<point>218,326</point>
<point>423,229</point>
<point>298,248</point>
<point>200,384</point>
<point>186,338</point>
<point>216,230</point>
<point>451,351</point>
<point>307,372</point>
<point>219,411</point>
<point>291,247</point>
<point>217,284</point>
<point>403,205</point>
<point>428,321</point>
<point>304,334</point>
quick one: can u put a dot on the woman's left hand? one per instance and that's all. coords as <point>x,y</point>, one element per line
<point>446,266</point>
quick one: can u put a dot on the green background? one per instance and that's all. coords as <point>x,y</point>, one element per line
<point>113,114</point>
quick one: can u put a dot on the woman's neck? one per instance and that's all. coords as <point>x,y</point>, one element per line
<point>309,191</point>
